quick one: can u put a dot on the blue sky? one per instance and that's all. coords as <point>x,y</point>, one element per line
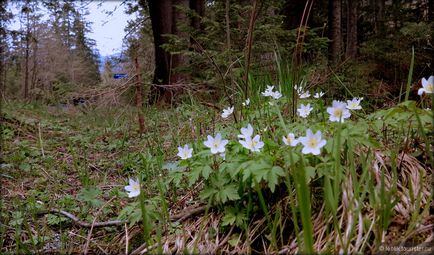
<point>107,30</point>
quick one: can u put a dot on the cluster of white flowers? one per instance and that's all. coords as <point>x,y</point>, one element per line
<point>246,140</point>
<point>427,86</point>
<point>269,92</point>
<point>312,143</point>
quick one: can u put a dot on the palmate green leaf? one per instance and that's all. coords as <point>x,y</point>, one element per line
<point>234,215</point>
<point>228,193</point>
<point>90,195</point>
<point>193,175</point>
<point>273,177</point>
<point>263,170</point>
<point>220,194</point>
<point>206,171</point>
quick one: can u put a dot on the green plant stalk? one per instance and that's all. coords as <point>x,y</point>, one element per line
<point>427,140</point>
<point>142,200</point>
<point>262,201</point>
<point>303,197</point>
<point>410,74</point>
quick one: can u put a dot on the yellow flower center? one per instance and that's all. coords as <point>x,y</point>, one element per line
<point>338,112</point>
<point>429,87</point>
<point>288,139</point>
<point>312,143</point>
<point>215,145</point>
<point>136,187</point>
<point>253,143</point>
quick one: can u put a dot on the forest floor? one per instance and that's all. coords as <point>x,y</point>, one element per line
<point>78,160</point>
<point>72,159</point>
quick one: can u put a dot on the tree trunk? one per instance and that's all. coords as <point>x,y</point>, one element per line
<point>430,10</point>
<point>139,97</point>
<point>380,28</point>
<point>199,7</point>
<point>179,60</point>
<point>335,34</point>
<point>161,20</point>
<point>26,59</point>
<point>352,15</point>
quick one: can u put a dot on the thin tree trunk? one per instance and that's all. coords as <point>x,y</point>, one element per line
<point>335,34</point>
<point>139,97</point>
<point>26,58</point>
<point>352,14</point>
<point>248,48</point>
<point>228,26</point>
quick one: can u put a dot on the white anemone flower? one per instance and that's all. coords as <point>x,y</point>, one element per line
<point>304,94</point>
<point>268,91</point>
<point>290,140</point>
<point>133,188</point>
<point>217,145</point>
<point>185,152</point>
<point>427,86</point>
<point>318,95</point>
<point>228,111</point>
<point>246,132</point>
<point>254,144</point>
<point>304,110</point>
<point>338,112</point>
<point>312,142</point>
<point>276,95</point>
<point>247,102</point>
<point>354,104</point>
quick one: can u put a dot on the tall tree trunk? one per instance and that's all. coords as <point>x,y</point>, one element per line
<point>352,15</point>
<point>380,27</point>
<point>199,7</point>
<point>430,10</point>
<point>335,34</point>
<point>161,21</point>
<point>179,60</point>
<point>26,59</point>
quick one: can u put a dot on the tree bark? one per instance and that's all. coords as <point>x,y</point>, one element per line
<point>352,15</point>
<point>199,7</point>
<point>179,59</point>
<point>379,14</point>
<point>335,34</point>
<point>139,97</point>
<point>161,20</point>
<point>26,58</point>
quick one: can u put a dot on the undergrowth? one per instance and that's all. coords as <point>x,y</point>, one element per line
<point>369,183</point>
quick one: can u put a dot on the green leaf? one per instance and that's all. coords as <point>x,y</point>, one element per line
<point>206,170</point>
<point>228,193</point>
<point>273,176</point>
<point>309,173</point>
<point>90,195</point>
<point>25,167</point>
<point>193,175</point>
<point>234,215</point>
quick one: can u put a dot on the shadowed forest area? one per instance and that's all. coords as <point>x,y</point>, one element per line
<point>226,126</point>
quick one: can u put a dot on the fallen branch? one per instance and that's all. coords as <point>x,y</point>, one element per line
<point>84,224</point>
<point>177,217</point>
